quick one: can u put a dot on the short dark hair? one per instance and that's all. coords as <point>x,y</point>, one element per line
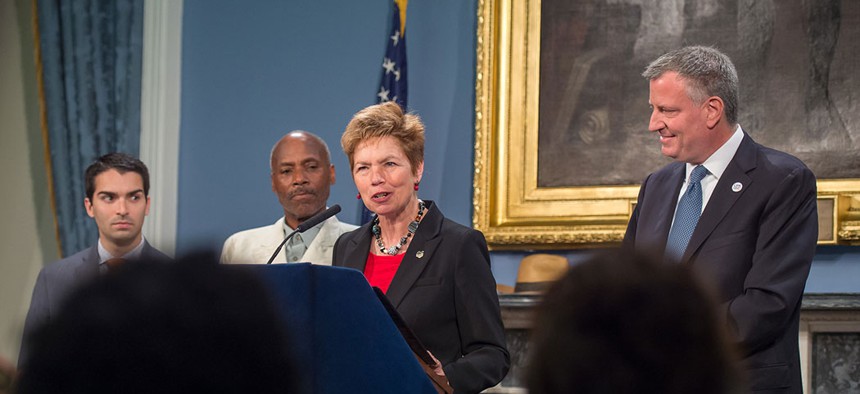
<point>160,327</point>
<point>624,323</point>
<point>122,162</point>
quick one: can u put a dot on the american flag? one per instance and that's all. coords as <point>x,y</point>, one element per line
<point>393,86</point>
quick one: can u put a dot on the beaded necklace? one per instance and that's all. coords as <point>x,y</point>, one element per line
<point>392,251</point>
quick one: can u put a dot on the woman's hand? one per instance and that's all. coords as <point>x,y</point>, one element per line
<point>437,366</point>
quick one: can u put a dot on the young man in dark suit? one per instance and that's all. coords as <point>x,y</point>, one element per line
<point>117,188</point>
<point>742,215</point>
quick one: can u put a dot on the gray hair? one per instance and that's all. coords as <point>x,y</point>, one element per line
<point>708,71</point>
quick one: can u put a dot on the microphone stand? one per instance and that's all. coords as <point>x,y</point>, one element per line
<point>284,242</point>
<point>304,226</point>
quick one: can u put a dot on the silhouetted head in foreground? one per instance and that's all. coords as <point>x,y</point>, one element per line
<point>188,326</point>
<point>621,323</point>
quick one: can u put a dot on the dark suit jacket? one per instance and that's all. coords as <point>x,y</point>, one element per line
<point>447,296</point>
<point>59,279</point>
<point>754,245</point>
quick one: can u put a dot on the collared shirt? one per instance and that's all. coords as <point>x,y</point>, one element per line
<point>104,255</point>
<point>716,165</point>
<point>299,244</point>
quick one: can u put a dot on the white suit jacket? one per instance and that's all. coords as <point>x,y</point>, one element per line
<point>255,246</point>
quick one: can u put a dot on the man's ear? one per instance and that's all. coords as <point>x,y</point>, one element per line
<point>332,176</point>
<point>714,109</point>
<point>147,206</point>
<point>272,181</point>
<point>89,207</point>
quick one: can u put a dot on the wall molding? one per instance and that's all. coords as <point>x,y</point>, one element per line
<point>160,117</point>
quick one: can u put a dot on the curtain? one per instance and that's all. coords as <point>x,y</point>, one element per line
<point>91,54</point>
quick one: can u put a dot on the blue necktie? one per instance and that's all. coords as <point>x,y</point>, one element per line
<point>686,217</point>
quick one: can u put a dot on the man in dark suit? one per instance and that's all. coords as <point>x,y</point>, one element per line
<point>742,215</point>
<point>117,188</point>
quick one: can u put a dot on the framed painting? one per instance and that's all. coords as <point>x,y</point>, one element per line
<point>562,111</point>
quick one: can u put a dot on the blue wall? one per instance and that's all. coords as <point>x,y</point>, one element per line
<point>253,70</point>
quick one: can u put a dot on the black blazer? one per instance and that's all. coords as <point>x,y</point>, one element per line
<point>754,245</point>
<point>446,293</point>
<point>57,280</point>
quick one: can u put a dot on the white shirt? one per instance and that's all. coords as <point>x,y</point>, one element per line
<point>716,165</point>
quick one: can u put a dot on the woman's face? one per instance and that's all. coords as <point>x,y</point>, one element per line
<point>384,176</point>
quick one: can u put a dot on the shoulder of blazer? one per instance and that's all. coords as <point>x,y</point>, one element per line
<point>670,172</point>
<point>264,234</point>
<point>71,269</point>
<point>151,253</point>
<point>331,230</point>
<point>435,224</point>
<point>342,227</point>
<point>88,256</point>
<point>774,161</point>
<point>355,235</point>
<point>351,244</point>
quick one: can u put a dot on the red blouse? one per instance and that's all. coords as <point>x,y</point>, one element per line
<point>380,269</point>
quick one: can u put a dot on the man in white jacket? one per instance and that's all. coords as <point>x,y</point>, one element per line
<point>302,174</point>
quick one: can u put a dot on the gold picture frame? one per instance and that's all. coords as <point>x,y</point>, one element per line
<point>510,208</point>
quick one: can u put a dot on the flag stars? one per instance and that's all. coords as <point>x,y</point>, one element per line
<point>383,94</point>
<point>388,65</point>
<point>396,37</point>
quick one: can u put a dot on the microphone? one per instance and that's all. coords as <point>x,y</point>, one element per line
<point>304,226</point>
<point>318,218</point>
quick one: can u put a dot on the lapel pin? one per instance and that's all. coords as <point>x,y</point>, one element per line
<point>737,186</point>
<point>419,254</point>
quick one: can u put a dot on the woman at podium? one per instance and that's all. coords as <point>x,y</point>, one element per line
<point>435,272</point>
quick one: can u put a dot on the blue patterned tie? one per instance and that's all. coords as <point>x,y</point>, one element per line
<point>686,217</point>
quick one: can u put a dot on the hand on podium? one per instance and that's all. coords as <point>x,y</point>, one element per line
<point>437,366</point>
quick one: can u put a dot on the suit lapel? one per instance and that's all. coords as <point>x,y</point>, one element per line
<point>273,236</point>
<point>424,244</point>
<point>723,197</point>
<point>358,246</point>
<point>146,252</point>
<point>89,267</point>
<point>665,209</point>
<point>657,208</point>
<point>150,253</point>
<point>322,243</point>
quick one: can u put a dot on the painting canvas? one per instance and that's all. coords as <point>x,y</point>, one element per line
<point>797,63</point>
<point>561,114</point>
